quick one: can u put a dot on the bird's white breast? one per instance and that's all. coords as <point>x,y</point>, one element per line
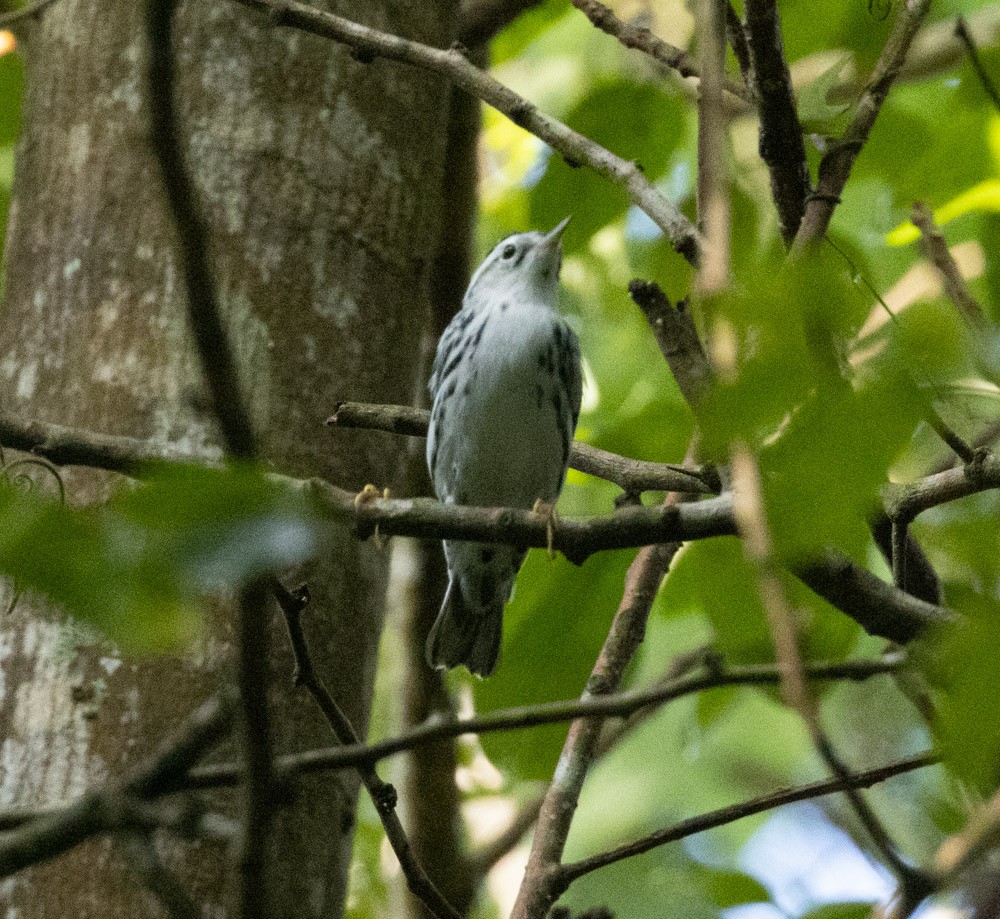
<point>500,433</point>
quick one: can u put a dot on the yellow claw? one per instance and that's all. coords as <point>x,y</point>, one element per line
<point>370,493</point>
<point>547,509</point>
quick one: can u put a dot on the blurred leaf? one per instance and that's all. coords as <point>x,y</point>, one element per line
<point>554,628</point>
<point>967,670</point>
<point>820,485</point>
<point>637,121</point>
<point>135,567</point>
<point>816,112</point>
<point>714,577</point>
<point>841,911</point>
<point>731,888</point>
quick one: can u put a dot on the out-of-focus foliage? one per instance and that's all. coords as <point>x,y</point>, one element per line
<point>831,393</point>
<point>138,567</point>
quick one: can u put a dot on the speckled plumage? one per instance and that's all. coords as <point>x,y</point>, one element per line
<point>506,385</point>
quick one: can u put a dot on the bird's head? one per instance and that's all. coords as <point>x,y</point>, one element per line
<point>523,267</point>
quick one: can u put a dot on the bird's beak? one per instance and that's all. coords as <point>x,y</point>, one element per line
<point>551,239</point>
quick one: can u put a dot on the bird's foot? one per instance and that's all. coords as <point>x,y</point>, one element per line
<point>370,493</point>
<point>547,509</point>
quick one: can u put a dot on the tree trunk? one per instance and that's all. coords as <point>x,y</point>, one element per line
<point>320,180</point>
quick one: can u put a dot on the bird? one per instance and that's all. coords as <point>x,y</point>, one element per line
<point>506,386</point>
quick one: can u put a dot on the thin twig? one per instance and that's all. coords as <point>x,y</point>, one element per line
<point>611,705</point>
<point>965,37</point>
<point>837,163</point>
<point>103,809</point>
<point>937,253</point>
<point>219,370</point>
<point>178,773</point>
<point>642,39</point>
<point>382,794</point>
<point>737,36</point>
<point>781,144</point>
<point>725,815</point>
<point>453,65</point>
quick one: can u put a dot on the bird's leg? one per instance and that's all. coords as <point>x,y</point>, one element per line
<point>547,509</point>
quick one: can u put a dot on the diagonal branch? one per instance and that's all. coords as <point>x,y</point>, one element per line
<point>725,815</point>
<point>382,794</point>
<point>452,64</point>
<point>836,165</point>
<point>642,39</point>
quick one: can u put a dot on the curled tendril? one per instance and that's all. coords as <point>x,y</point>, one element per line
<point>19,475</point>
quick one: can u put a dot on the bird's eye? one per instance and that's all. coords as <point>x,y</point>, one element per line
<point>509,250</point>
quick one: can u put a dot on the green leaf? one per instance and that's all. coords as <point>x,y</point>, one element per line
<point>637,121</point>
<point>554,628</point>
<point>136,567</point>
<point>731,888</point>
<point>966,667</point>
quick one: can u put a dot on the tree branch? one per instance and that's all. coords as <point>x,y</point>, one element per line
<point>725,815</point>
<point>836,165</point>
<point>935,249</point>
<point>456,67</point>
<point>781,144</point>
<point>382,794</point>
<point>641,39</point>
<point>218,368</point>
<point>878,607</point>
<point>53,833</point>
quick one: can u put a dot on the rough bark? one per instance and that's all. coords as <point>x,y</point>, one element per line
<point>320,179</point>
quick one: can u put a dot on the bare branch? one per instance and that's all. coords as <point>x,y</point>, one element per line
<point>383,795</point>
<point>963,34</point>
<point>52,833</point>
<point>836,165</point>
<point>725,815</point>
<point>140,852</point>
<point>641,39</point>
<point>935,249</point>
<point>457,68</point>
<point>781,144</point>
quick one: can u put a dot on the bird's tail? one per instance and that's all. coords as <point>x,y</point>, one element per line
<point>464,635</point>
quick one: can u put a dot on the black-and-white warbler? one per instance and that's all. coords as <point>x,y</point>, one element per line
<point>506,385</point>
